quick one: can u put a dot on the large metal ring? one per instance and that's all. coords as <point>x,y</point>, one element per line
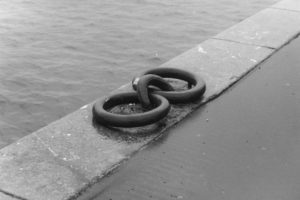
<point>142,87</point>
<point>102,115</point>
<point>184,96</point>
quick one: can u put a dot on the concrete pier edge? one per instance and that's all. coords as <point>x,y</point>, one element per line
<point>61,160</point>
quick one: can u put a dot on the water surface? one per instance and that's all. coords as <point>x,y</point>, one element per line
<point>58,55</point>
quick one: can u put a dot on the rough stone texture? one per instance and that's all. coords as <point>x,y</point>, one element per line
<point>220,63</point>
<point>31,170</point>
<point>269,28</point>
<point>288,4</point>
<point>6,197</point>
<point>60,160</point>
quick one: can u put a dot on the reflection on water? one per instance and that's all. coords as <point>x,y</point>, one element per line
<point>58,55</point>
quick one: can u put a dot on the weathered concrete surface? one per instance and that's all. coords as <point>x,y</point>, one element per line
<point>288,4</point>
<point>6,197</point>
<point>220,63</point>
<point>269,28</point>
<point>243,146</point>
<point>61,160</point>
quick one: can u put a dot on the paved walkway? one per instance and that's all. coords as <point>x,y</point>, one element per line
<point>244,145</point>
<point>232,152</point>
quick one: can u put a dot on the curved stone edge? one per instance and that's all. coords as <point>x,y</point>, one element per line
<point>3,196</point>
<point>62,159</point>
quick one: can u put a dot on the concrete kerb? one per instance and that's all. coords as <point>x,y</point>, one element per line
<point>290,5</point>
<point>8,197</point>
<point>270,28</point>
<point>62,159</point>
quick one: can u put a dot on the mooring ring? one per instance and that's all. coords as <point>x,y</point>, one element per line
<point>102,115</point>
<point>142,87</point>
<point>184,96</point>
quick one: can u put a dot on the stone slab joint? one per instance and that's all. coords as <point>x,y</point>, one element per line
<point>61,160</point>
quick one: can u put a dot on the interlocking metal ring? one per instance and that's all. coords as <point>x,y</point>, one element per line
<point>142,88</point>
<point>184,96</point>
<point>152,91</point>
<point>102,115</point>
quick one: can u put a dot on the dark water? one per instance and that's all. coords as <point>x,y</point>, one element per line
<point>57,55</point>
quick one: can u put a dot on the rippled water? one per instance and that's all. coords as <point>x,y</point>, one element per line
<point>56,55</point>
